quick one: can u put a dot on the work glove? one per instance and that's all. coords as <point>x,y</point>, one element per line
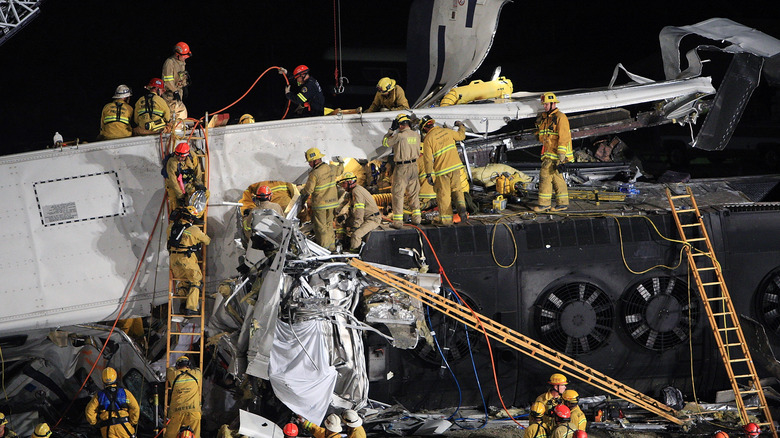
<point>561,168</point>
<point>341,218</point>
<point>458,123</point>
<point>286,89</point>
<point>282,71</point>
<point>430,179</point>
<point>394,125</point>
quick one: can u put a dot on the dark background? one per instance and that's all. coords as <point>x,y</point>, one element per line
<point>59,71</point>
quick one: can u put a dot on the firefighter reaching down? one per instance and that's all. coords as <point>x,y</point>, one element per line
<point>114,410</point>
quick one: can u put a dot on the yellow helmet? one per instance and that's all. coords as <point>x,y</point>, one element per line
<point>3,419</point>
<point>385,85</point>
<point>347,176</point>
<point>537,409</point>
<point>182,361</point>
<point>313,154</point>
<point>246,118</point>
<point>558,379</point>
<point>549,98</point>
<point>109,376</point>
<point>403,118</point>
<point>426,123</point>
<point>42,430</point>
<point>571,395</point>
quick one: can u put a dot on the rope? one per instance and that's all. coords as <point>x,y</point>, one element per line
<point>250,89</point>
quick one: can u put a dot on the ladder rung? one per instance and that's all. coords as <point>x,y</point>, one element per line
<point>754,408</point>
<point>712,283</point>
<point>725,329</point>
<point>687,210</point>
<point>185,333</point>
<point>183,351</point>
<point>711,268</point>
<point>699,254</point>
<point>696,239</point>
<point>723,314</point>
<point>750,391</point>
<point>680,196</point>
<point>691,225</point>
<point>744,359</point>
<point>742,376</point>
<point>716,299</point>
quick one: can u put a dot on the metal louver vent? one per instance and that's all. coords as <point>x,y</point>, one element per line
<point>768,302</point>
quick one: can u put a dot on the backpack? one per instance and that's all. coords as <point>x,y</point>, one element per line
<point>177,231</point>
<point>164,170</point>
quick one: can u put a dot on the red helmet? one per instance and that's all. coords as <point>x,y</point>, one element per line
<point>562,412</point>
<point>264,193</point>
<point>183,49</point>
<point>156,83</point>
<point>300,71</point>
<point>580,434</point>
<point>752,429</point>
<point>186,432</point>
<point>182,149</point>
<point>290,430</point>
<point>721,434</point>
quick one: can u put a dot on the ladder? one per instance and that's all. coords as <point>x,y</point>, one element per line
<point>520,342</point>
<point>176,318</point>
<point>714,294</point>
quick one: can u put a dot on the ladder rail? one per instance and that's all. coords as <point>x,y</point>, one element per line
<point>727,312</point>
<point>521,343</point>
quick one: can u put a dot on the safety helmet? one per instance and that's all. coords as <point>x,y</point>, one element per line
<point>183,49</point>
<point>155,83</point>
<point>351,418</point>
<point>290,430</point>
<point>192,211</point>
<point>246,118</point>
<point>186,432</point>
<point>182,149</point>
<point>3,419</point>
<point>403,118</point>
<point>182,361</point>
<point>109,376</point>
<point>263,193</point>
<point>42,430</point>
<point>580,434</point>
<point>300,71</point>
<point>571,396</point>
<point>558,379</point>
<point>721,434</point>
<point>333,423</point>
<point>562,412</point>
<point>313,154</point>
<point>549,98</point>
<point>122,91</point>
<point>752,429</point>
<point>537,409</point>
<point>426,123</point>
<point>385,85</point>
<point>346,176</point>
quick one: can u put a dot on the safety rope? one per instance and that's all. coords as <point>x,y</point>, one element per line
<point>250,89</point>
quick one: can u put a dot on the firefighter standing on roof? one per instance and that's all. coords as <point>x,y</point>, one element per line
<point>174,71</point>
<point>185,386</point>
<point>442,165</point>
<point>184,245</point>
<point>389,97</point>
<point>363,212</point>
<point>116,116</point>
<point>152,112</point>
<point>321,186</point>
<point>183,176</point>
<point>307,95</point>
<point>405,143</point>
<point>553,131</point>
<point>114,410</point>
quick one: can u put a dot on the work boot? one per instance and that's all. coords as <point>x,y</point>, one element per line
<point>560,208</point>
<point>464,217</point>
<point>397,225</point>
<point>416,220</point>
<point>541,208</point>
<point>188,312</point>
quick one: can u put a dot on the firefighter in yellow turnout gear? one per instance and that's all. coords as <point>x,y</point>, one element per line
<point>389,97</point>
<point>114,410</point>
<point>185,386</point>
<point>553,131</point>
<point>321,186</point>
<point>281,193</point>
<point>571,399</point>
<point>116,116</point>
<point>332,427</point>
<point>363,212</point>
<point>184,244</point>
<point>536,428</point>
<point>442,166</point>
<point>152,112</point>
<point>552,398</point>
<point>405,143</point>
<point>5,431</point>
<point>183,176</point>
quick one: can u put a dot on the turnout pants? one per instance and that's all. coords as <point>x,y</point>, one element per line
<point>186,269</point>
<point>550,180</point>
<point>406,180</point>
<point>323,228</point>
<point>448,186</point>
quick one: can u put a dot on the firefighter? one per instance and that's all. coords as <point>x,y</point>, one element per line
<point>174,72</point>
<point>321,186</point>
<point>354,424</point>
<point>114,410</point>
<point>308,97</point>
<point>553,131</point>
<point>185,383</point>
<point>562,427</point>
<point>332,427</point>
<point>442,162</point>
<point>536,427</point>
<point>552,397</point>
<point>183,176</point>
<point>262,201</point>
<point>580,434</point>
<point>245,119</point>
<point>571,399</point>
<point>186,432</point>
<point>389,97</point>
<point>42,430</point>
<point>116,116</point>
<point>290,430</point>
<point>751,430</point>
<point>363,214</point>
<point>719,434</point>
<point>178,109</point>
<point>184,244</point>
<point>152,112</point>
<point>5,432</point>
<point>282,193</point>
<point>405,143</point>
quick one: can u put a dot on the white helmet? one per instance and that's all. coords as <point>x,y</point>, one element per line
<point>351,418</point>
<point>122,91</point>
<point>333,423</point>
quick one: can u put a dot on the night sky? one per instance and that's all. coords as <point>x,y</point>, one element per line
<point>59,71</point>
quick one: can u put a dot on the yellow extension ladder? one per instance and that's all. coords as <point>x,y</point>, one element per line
<point>520,342</point>
<point>714,294</point>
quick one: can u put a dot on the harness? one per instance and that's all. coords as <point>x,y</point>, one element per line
<point>113,402</point>
<point>186,173</point>
<point>149,107</point>
<point>174,240</point>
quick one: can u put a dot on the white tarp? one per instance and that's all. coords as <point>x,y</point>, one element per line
<point>255,426</point>
<point>302,380</point>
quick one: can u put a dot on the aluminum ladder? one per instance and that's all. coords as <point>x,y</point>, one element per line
<point>721,314</point>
